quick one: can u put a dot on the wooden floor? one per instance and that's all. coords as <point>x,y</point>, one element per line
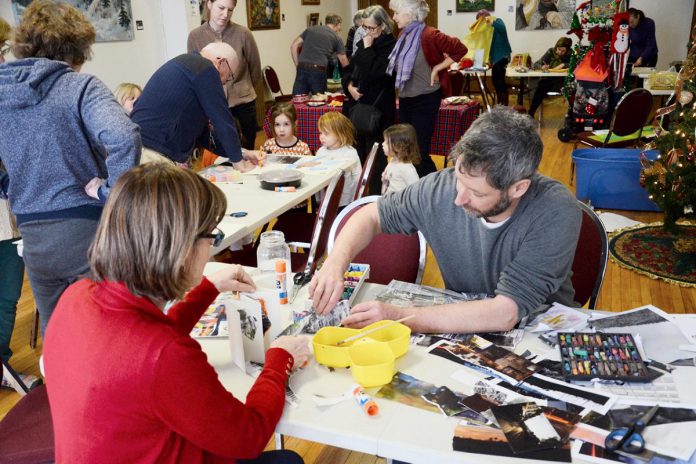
<point>622,290</point>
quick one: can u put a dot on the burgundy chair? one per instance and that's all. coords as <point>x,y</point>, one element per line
<point>390,256</point>
<point>590,261</point>
<point>630,116</point>
<point>456,80</point>
<point>271,79</point>
<point>367,171</point>
<point>26,432</point>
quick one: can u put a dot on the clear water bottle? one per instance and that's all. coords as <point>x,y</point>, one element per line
<point>272,248</point>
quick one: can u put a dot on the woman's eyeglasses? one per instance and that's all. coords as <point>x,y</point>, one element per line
<point>371,28</point>
<point>217,235</point>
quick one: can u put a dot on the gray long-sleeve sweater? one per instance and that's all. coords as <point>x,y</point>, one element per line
<point>527,259</point>
<point>60,129</point>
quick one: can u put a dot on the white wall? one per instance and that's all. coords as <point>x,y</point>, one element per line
<point>672,22</point>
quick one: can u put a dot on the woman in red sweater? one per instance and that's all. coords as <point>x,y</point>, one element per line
<point>419,63</point>
<point>126,382</point>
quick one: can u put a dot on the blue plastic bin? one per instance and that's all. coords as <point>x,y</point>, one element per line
<point>609,178</point>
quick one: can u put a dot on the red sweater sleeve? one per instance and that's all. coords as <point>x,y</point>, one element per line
<point>190,399</point>
<point>188,311</point>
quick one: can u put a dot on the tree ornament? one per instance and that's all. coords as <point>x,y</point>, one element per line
<point>686,97</point>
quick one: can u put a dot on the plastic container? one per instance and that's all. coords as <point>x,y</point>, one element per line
<point>371,363</point>
<point>325,350</point>
<point>396,336</point>
<point>609,178</point>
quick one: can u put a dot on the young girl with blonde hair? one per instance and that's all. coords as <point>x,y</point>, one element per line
<point>401,145</point>
<point>337,136</point>
<point>126,95</point>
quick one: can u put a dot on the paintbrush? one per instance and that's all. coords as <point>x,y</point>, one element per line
<point>374,329</point>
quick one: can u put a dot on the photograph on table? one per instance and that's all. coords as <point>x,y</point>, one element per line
<point>535,15</point>
<point>530,427</point>
<point>409,390</point>
<point>213,323</point>
<point>263,14</point>
<point>112,19</point>
<point>492,441</point>
<point>479,353</point>
<point>468,6</point>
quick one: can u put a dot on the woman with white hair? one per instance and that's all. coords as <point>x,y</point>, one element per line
<point>419,63</point>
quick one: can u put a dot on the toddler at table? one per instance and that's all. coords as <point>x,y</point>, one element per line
<point>337,137</point>
<point>401,145</point>
<point>126,95</point>
<point>284,141</point>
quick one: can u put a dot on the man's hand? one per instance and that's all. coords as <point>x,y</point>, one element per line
<point>367,313</point>
<point>544,67</point>
<point>326,288</point>
<point>232,279</point>
<point>354,92</point>
<point>243,166</point>
<point>639,62</point>
<point>92,187</point>
<point>255,157</point>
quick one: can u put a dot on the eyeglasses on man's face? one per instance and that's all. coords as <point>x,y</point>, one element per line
<point>217,235</point>
<point>230,74</point>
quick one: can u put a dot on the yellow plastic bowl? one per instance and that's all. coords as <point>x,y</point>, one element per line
<point>325,350</point>
<point>371,363</point>
<point>396,336</point>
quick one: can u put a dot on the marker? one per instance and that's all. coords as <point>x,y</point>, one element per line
<point>238,214</point>
<point>285,189</point>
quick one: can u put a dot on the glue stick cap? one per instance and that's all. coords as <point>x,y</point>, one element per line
<point>280,265</point>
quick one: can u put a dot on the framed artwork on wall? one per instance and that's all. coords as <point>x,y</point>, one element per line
<point>112,19</point>
<point>312,19</point>
<point>467,6</point>
<point>310,2</point>
<point>534,15</point>
<point>263,14</point>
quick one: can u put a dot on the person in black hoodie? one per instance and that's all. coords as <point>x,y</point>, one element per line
<point>366,81</point>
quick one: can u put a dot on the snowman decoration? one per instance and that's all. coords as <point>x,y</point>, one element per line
<point>619,48</point>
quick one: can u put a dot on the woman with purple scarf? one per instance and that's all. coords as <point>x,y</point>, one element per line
<point>419,63</point>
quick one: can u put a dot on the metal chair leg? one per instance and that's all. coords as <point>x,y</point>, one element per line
<point>279,441</point>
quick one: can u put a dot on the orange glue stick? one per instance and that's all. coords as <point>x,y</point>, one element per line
<point>365,401</point>
<point>281,281</point>
<point>285,189</point>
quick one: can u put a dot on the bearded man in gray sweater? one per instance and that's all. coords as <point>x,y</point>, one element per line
<point>495,225</point>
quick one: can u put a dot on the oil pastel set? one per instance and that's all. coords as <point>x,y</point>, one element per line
<point>598,355</point>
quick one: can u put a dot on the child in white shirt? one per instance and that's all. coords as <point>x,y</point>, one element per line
<point>401,145</point>
<point>337,136</point>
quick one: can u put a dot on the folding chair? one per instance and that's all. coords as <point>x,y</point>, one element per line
<point>367,171</point>
<point>273,84</point>
<point>590,261</point>
<point>630,116</point>
<point>390,256</point>
<point>26,432</point>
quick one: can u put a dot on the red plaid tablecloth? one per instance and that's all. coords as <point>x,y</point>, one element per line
<point>452,122</point>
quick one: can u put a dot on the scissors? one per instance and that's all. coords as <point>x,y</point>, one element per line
<point>300,280</point>
<point>629,439</point>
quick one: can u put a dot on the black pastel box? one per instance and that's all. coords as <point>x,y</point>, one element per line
<point>586,356</point>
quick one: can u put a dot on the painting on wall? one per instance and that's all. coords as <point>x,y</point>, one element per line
<point>534,15</point>
<point>263,14</point>
<point>310,2</point>
<point>467,6</point>
<point>112,19</point>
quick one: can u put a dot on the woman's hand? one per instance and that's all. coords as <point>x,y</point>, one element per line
<point>638,63</point>
<point>354,92</point>
<point>434,78</point>
<point>445,64</point>
<point>232,279</point>
<point>368,40</point>
<point>92,187</point>
<point>297,346</point>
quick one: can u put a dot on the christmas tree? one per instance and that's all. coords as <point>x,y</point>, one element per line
<point>671,179</point>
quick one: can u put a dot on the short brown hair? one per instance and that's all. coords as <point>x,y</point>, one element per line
<point>56,31</point>
<point>5,30</point>
<point>403,143</point>
<point>333,19</point>
<point>150,224</point>
<point>285,109</point>
<point>336,123</point>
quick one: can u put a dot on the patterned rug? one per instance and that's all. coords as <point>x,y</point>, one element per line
<point>649,250</point>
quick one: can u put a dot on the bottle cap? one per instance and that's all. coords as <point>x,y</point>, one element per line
<point>280,265</point>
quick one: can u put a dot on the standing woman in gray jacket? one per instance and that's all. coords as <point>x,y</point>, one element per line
<point>58,128</point>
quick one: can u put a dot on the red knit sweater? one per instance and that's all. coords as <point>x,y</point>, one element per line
<point>435,44</point>
<point>126,383</point>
